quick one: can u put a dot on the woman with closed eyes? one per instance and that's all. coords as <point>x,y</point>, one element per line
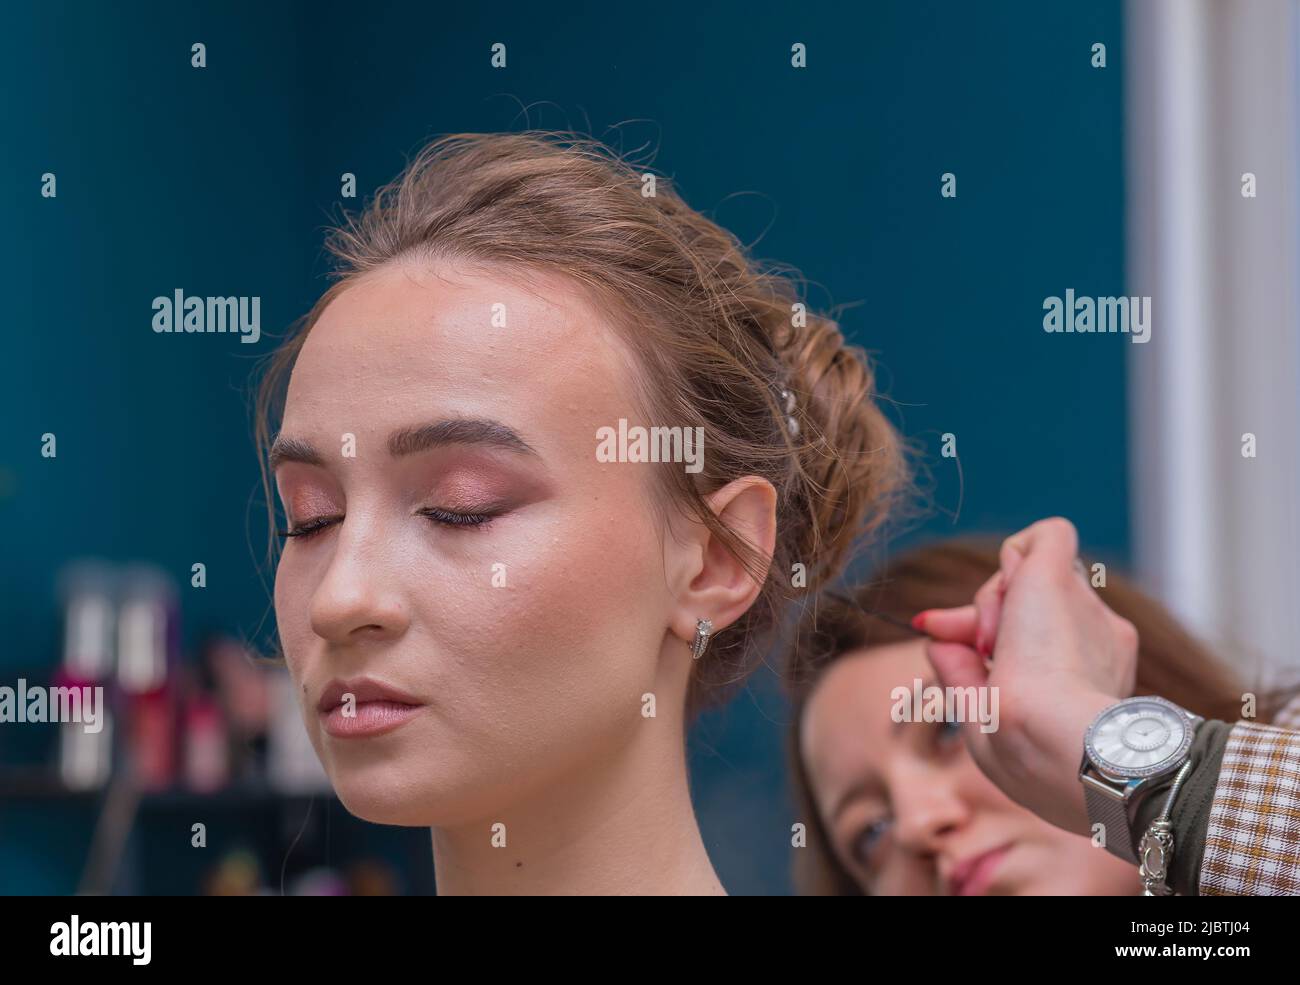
<point>496,632</point>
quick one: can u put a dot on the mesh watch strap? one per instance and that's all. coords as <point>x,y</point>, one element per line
<point>1112,813</point>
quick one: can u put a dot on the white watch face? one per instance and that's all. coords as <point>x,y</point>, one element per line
<point>1139,737</point>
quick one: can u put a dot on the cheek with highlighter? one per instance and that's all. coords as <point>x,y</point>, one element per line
<point>311,502</point>
<point>546,671</point>
<point>548,611</point>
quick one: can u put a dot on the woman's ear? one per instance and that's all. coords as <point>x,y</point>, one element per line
<point>708,580</point>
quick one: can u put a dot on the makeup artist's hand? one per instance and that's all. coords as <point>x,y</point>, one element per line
<point>1059,656</point>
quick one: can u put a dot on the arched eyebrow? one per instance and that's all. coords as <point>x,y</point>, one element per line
<point>416,438</point>
<point>293,450</point>
<point>457,431</point>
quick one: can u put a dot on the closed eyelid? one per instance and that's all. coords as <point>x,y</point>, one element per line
<point>455,504</point>
<point>302,496</point>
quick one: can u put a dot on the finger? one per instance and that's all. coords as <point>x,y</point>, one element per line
<point>1127,642</point>
<point>956,665</point>
<point>988,608</point>
<point>951,625</point>
<point>1055,536</point>
<point>1010,555</point>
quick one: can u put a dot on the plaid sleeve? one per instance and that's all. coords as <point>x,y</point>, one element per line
<point>1252,842</point>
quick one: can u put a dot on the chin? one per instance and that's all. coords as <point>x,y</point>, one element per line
<point>379,802</point>
<point>389,792</point>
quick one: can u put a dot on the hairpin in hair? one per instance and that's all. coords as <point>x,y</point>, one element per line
<point>790,402</point>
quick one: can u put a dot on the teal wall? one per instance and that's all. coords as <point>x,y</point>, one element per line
<point>218,181</point>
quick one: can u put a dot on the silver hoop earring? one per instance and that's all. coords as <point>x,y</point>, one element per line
<point>703,632</point>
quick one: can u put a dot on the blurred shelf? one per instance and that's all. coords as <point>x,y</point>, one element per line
<point>35,784</point>
<point>38,785</point>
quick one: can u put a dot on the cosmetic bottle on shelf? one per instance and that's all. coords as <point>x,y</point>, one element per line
<point>205,739</point>
<point>242,684</point>
<point>148,637</point>
<point>87,593</point>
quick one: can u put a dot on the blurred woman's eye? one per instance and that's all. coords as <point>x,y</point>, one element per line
<point>868,841</point>
<point>949,731</point>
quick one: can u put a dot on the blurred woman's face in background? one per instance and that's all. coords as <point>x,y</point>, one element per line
<point>503,586</point>
<point>907,810</point>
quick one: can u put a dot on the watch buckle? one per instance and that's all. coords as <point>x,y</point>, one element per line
<point>1107,787</point>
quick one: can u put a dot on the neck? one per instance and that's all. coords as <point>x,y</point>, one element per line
<point>619,823</point>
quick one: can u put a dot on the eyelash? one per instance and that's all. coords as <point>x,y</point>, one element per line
<point>447,518</point>
<point>450,518</point>
<point>310,527</point>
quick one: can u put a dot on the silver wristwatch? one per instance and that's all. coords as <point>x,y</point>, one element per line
<point>1128,749</point>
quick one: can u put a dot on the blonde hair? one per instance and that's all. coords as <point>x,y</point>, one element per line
<point>718,337</point>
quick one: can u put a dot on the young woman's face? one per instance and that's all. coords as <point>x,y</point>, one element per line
<point>908,811</point>
<point>490,594</point>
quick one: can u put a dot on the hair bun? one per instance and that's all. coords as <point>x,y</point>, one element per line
<point>850,457</point>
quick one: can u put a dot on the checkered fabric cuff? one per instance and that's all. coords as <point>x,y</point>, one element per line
<point>1252,843</point>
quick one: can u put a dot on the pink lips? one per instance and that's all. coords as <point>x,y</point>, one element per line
<point>374,708</point>
<point>973,876</point>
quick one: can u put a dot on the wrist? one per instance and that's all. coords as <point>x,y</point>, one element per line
<point>1075,718</point>
<point>1043,746</point>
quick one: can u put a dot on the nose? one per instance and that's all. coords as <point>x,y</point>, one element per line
<point>359,599</point>
<point>927,808</point>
